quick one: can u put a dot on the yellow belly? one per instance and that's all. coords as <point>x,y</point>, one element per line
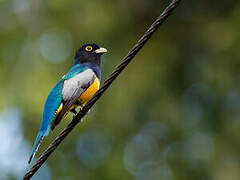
<point>85,96</point>
<point>91,90</point>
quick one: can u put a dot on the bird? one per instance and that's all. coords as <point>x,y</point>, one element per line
<point>75,88</point>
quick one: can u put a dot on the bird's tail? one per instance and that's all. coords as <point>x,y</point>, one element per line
<point>36,145</point>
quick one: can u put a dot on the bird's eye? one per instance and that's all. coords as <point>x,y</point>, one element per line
<point>89,48</point>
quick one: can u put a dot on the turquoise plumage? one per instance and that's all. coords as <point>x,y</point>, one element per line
<point>52,104</point>
<point>74,89</point>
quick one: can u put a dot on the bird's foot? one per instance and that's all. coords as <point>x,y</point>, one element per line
<point>74,112</point>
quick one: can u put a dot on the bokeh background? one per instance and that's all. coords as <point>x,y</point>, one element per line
<point>173,114</point>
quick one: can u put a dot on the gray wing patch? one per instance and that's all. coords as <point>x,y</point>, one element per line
<point>76,84</point>
<point>72,90</point>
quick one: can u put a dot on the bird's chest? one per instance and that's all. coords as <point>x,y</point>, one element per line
<point>90,91</point>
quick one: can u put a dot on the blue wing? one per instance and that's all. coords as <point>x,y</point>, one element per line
<point>52,105</point>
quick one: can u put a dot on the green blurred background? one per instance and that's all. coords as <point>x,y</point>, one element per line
<point>173,114</point>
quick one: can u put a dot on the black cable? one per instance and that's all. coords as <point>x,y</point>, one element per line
<point>147,35</point>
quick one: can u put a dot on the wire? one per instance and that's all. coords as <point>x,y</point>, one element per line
<point>147,35</point>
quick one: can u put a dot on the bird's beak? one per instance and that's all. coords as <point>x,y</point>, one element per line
<point>100,50</point>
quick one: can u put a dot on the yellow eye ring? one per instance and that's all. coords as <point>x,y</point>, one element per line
<point>89,48</point>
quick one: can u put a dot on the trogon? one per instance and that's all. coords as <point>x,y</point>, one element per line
<point>73,90</point>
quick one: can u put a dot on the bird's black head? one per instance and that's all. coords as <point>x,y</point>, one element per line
<point>89,53</point>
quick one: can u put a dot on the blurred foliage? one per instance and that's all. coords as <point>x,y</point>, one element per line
<point>173,114</point>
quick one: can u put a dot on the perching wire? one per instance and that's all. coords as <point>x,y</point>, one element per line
<point>147,35</point>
